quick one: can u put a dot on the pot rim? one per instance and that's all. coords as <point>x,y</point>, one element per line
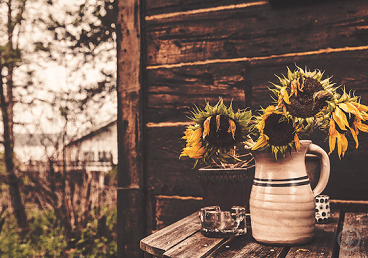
<point>226,169</point>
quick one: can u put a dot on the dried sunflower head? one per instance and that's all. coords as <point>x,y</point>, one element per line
<point>276,131</point>
<point>217,132</point>
<point>303,95</point>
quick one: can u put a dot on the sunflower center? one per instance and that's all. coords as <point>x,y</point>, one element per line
<point>219,134</point>
<point>306,104</point>
<point>280,133</point>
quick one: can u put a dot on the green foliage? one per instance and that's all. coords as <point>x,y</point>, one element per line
<point>47,236</point>
<point>111,176</point>
<point>98,238</point>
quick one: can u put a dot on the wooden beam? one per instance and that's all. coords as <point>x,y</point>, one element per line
<point>255,29</point>
<point>131,195</point>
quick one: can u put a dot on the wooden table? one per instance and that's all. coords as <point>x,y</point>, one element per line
<point>346,235</point>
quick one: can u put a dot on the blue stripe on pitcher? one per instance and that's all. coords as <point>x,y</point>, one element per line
<point>304,180</point>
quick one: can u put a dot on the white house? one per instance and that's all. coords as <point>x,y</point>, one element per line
<point>95,151</point>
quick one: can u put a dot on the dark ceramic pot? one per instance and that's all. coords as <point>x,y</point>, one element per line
<point>226,187</point>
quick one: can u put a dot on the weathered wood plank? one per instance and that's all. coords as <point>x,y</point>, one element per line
<point>197,246</point>
<point>131,222</point>
<point>170,209</point>
<point>258,30</point>
<point>165,6</point>
<point>165,173</point>
<point>323,242</point>
<point>172,93</point>
<point>158,243</point>
<point>353,239</point>
<point>131,206</point>
<point>246,246</point>
<point>350,205</point>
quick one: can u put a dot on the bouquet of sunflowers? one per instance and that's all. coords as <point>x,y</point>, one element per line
<point>303,102</point>
<point>218,135</point>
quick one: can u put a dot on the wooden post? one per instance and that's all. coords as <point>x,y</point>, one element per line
<point>131,204</point>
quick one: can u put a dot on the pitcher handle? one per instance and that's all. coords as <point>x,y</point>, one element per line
<point>325,168</point>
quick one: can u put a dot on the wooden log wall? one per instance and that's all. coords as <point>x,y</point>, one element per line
<point>194,51</point>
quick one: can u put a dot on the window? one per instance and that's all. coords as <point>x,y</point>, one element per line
<point>89,156</point>
<point>104,156</point>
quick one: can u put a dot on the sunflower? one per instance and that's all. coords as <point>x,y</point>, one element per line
<point>344,116</point>
<point>277,131</point>
<point>303,94</point>
<point>217,131</point>
<point>194,148</point>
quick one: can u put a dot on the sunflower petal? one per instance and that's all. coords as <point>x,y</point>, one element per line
<point>187,134</point>
<point>294,87</point>
<point>262,141</point>
<point>206,127</point>
<point>218,117</point>
<point>355,136</point>
<point>297,142</point>
<point>364,115</point>
<point>363,127</point>
<point>269,110</point>
<point>344,144</point>
<point>360,107</point>
<point>232,128</point>
<point>339,145</point>
<point>350,108</point>
<point>301,86</point>
<point>332,143</point>
<point>332,136</point>
<point>194,151</point>
<point>196,136</point>
<point>283,96</point>
<point>340,118</point>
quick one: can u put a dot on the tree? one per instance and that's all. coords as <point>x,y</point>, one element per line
<point>84,42</point>
<point>79,37</point>
<point>10,57</point>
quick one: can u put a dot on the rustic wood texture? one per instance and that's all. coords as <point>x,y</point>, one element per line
<point>354,238</point>
<point>323,243</point>
<point>199,50</point>
<point>173,6</point>
<point>172,93</point>
<point>196,246</point>
<point>246,246</point>
<point>183,239</point>
<point>166,174</point>
<point>350,205</point>
<point>170,209</point>
<point>157,244</point>
<point>257,30</point>
<point>131,207</point>
<point>232,49</point>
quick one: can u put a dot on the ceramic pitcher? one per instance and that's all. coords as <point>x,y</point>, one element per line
<point>282,203</point>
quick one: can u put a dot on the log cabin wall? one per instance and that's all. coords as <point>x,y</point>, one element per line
<point>192,51</point>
